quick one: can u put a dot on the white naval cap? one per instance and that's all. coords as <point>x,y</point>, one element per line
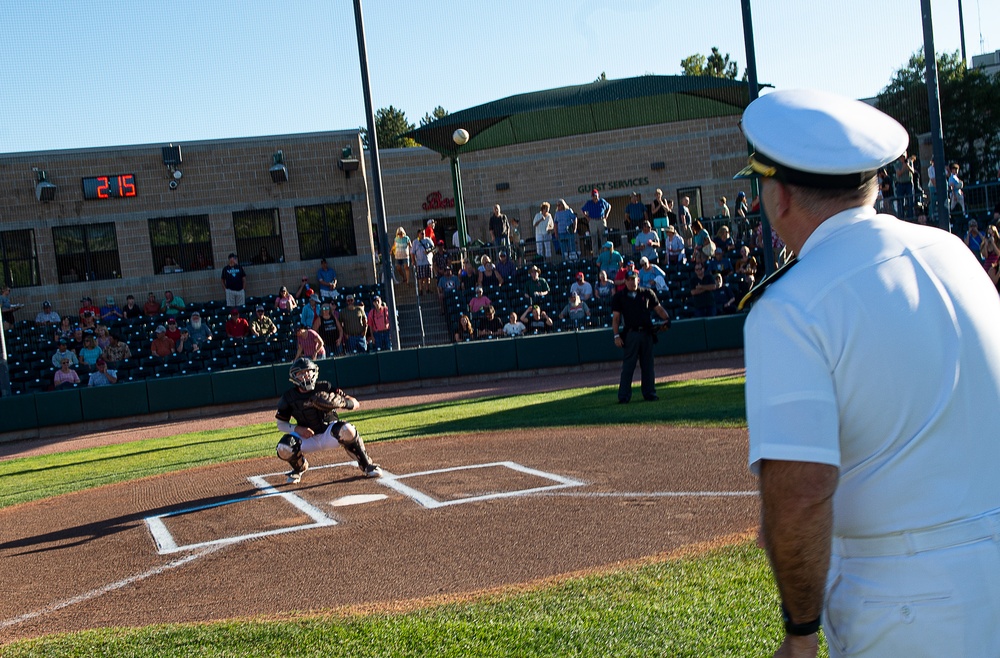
<point>818,139</point>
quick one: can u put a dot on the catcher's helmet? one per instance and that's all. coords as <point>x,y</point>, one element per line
<point>304,373</point>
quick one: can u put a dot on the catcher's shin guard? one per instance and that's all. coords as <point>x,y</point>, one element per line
<point>348,436</point>
<point>289,450</point>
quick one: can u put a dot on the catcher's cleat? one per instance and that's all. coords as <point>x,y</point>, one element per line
<point>295,475</point>
<point>372,471</point>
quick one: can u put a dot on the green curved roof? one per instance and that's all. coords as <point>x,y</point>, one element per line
<point>582,109</point>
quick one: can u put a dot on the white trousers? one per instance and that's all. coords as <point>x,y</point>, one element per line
<point>324,441</point>
<point>943,602</point>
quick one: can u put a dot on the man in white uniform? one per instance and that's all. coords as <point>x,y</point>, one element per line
<point>873,381</point>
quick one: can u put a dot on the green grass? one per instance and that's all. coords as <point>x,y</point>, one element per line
<point>717,402</point>
<point>720,604</point>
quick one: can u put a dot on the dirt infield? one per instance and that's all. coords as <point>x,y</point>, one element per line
<point>453,516</point>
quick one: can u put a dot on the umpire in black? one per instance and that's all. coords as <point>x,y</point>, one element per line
<point>634,331</point>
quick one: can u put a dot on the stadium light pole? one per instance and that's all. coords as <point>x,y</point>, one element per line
<point>383,237</point>
<point>765,224</point>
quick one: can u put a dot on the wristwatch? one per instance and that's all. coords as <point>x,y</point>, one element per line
<point>807,628</point>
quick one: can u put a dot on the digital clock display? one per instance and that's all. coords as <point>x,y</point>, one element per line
<point>109,187</point>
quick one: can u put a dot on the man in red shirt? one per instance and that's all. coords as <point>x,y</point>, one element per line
<point>237,327</point>
<point>152,305</point>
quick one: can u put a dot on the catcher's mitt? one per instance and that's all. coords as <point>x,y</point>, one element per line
<point>326,400</point>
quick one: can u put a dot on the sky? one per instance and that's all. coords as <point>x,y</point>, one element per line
<point>76,74</point>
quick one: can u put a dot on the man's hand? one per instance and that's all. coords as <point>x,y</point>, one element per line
<point>805,646</point>
<point>303,432</point>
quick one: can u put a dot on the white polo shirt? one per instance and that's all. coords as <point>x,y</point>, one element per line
<point>879,353</point>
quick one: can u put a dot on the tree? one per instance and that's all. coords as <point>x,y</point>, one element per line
<point>390,125</point>
<point>715,65</point>
<point>970,115</point>
<point>438,113</point>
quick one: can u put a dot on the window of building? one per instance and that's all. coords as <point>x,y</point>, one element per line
<point>258,237</point>
<point>180,244</point>
<point>86,252</point>
<point>325,231</point>
<point>19,258</point>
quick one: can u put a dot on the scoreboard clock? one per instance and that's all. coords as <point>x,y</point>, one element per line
<point>109,187</point>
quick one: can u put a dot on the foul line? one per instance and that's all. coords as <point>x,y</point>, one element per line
<point>653,494</point>
<point>94,593</point>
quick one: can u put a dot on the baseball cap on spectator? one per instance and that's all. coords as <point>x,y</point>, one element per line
<point>259,308</point>
<point>593,192</point>
<point>643,261</point>
<point>102,362</point>
<point>46,304</point>
<point>314,298</point>
<point>172,321</point>
<point>670,229</point>
<point>632,274</point>
<point>195,314</point>
<point>234,311</point>
<point>233,255</point>
<point>109,300</point>
<point>350,297</point>
<point>160,329</point>
<point>85,299</point>
<point>534,268</point>
<point>718,251</point>
<point>430,221</point>
<point>440,241</point>
<point>609,244</point>
<point>579,275</point>
<point>63,341</point>
<point>630,264</point>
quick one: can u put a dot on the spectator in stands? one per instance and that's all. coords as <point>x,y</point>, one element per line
<point>152,305</point>
<point>536,320</point>
<point>447,286</point>
<point>566,227</point>
<point>328,326</point>
<point>605,288</point>
<point>63,353</point>
<point>87,304</point>
<point>401,255</point>
<point>974,239</point>
<point>309,344</point>
<point>576,311</point>
<point>536,290</point>
<point>500,229</point>
<point>184,344</point>
<point>171,266</point>
<point>544,226</point>
<point>702,289</point>
<point>161,347</point>
<point>956,196</point>
<point>442,266</point>
<point>264,257</point>
<point>489,275</point>
<point>172,304</point>
<point>722,208</point>
<point>582,287</point>
<point>490,326</point>
<point>103,376</point>
<point>724,240</point>
<point>199,332</point>
<point>355,324</point>
<point>596,210</point>
<point>610,259</point>
<point>648,273</point>
<point>102,336</point>
<point>673,248</point>
<point>173,329</point>
<point>647,242</point>
<point>237,327</point>
<point>725,301</point>
<point>326,278</point>
<point>658,208</point>
<point>263,326</point>
<point>671,215</point>
<point>701,236</point>
<point>685,227</point>
<point>422,252</point>
<point>76,340</point>
<point>305,291</point>
<point>116,352</point>
<point>514,327</point>
<point>479,302</point>
<point>742,210</point>
<point>7,306</point>
<point>505,266</point>
<point>201,262</point>
<point>88,322</point>
<point>309,312</point>
<point>455,239</point>
<point>378,323</point>
<point>465,332</point>
<point>110,312</point>
<point>131,310</point>
<point>90,353</point>
<point>64,331</point>
<point>635,212</point>
<point>234,281</point>
<point>620,275</point>
<point>746,273</point>
<point>284,303</point>
<point>429,231</point>
<point>47,317</point>
<point>990,251</point>
<point>719,264</point>
<point>65,377</point>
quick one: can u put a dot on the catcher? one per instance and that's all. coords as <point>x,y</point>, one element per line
<point>313,404</point>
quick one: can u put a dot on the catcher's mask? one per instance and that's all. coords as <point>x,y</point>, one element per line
<point>304,373</point>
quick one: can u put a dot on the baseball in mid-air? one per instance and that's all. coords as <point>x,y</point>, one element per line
<point>461,136</point>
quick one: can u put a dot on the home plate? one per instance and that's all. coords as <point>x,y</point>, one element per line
<point>358,499</point>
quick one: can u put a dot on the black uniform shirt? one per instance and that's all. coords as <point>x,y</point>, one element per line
<point>635,307</point>
<point>293,405</point>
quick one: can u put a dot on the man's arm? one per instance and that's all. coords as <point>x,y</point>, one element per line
<point>797,519</point>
